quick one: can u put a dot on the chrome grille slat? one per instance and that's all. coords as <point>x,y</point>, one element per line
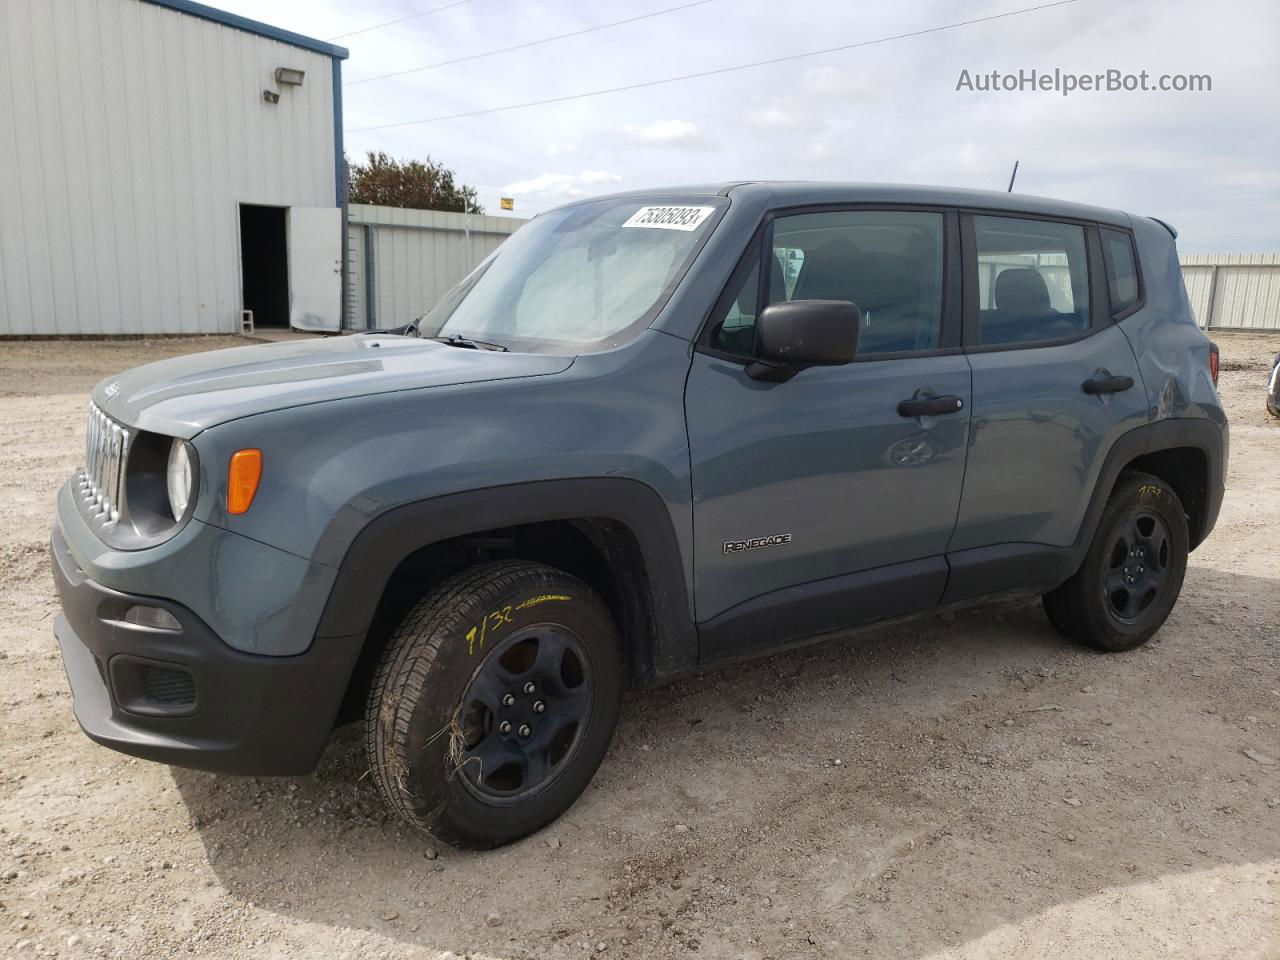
<point>91,446</point>
<point>106,450</point>
<point>113,466</point>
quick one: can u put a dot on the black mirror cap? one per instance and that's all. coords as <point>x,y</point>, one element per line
<point>808,333</point>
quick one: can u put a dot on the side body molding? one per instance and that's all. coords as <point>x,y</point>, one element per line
<point>672,643</point>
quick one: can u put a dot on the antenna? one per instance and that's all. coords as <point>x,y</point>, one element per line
<point>1013,176</point>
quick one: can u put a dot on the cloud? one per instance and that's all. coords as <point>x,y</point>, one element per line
<point>565,184</point>
<point>830,83</point>
<point>775,118</point>
<point>667,133</point>
<point>884,112</point>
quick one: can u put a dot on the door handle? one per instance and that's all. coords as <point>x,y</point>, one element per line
<point>930,406</point>
<point>1100,385</point>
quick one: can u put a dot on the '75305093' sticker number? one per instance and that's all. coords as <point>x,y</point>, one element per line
<point>669,218</point>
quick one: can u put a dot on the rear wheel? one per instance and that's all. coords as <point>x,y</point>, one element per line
<point>1132,573</point>
<point>494,703</point>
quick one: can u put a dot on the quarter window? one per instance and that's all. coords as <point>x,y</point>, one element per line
<point>889,263</point>
<point>1122,271</point>
<point>1033,280</point>
<point>736,332</point>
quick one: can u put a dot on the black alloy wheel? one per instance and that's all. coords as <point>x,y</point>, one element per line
<point>523,713</point>
<point>1132,570</point>
<point>1138,568</point>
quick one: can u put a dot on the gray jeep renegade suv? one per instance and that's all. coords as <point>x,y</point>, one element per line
<point>651,432</point>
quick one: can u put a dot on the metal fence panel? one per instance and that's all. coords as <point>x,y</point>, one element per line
<point>404,261</point>
<point>1234,291</point>
<point>354,305</point>
<point>1199,281</point>
<point>1247,298</point>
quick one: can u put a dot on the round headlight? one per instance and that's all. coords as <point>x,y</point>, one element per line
<point>180,478</point>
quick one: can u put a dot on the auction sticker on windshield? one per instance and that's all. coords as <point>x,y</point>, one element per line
<point>669,218</point>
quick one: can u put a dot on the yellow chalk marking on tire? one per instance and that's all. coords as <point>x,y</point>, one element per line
<point>534,601</point>
<point>494,618</point>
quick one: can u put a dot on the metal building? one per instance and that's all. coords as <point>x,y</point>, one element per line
<point>401,262</point>
<point>163,165</point>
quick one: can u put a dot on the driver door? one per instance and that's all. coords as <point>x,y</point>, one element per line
<point>817,505</point>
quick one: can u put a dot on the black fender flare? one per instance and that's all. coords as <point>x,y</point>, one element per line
<point>1174,433</point>
<point>386,540</point>
<point>1212,439</point>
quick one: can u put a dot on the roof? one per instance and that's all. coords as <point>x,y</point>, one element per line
<point>252,26</point>
<point>801,193</point>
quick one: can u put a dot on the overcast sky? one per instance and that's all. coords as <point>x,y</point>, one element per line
<point>1209,163</point>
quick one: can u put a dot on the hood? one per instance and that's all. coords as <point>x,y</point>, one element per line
<point>184,395</point>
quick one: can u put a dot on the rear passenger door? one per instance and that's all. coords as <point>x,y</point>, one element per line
<point>817,504</point>
<point>1050,369</point>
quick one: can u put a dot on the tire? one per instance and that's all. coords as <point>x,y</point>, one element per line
<point>456,670</point>
<point>1132,573</point>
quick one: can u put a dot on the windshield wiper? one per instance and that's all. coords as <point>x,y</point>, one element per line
<point>470,343</point>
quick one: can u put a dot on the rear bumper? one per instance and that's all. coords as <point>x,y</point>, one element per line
<point>185,697</point>
<point>1217,483</point>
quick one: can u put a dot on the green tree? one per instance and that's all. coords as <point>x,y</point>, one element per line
<point>408,183</point>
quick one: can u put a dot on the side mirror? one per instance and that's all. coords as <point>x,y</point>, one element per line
<point>804,333</point>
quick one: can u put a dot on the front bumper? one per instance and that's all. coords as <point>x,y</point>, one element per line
<point>187,698</point>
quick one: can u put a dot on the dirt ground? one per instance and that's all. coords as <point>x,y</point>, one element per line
<point>962,787</point>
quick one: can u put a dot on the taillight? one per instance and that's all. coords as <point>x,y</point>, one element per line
<point>1214,362</point>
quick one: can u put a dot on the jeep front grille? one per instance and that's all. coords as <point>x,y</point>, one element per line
<point>106,449</point>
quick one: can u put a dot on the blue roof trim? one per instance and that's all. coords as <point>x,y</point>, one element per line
<point>339,151</point>
<point>252,26</point>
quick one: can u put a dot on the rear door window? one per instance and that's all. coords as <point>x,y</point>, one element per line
<point>1033,280</point>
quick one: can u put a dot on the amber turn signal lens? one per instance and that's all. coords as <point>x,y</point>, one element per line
<point>242,479</point>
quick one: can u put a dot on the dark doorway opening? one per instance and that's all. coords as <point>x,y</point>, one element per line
<point>264,264</point>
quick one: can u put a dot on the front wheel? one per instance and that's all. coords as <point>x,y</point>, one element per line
<point>1132,573</point>
<point>494,703</point>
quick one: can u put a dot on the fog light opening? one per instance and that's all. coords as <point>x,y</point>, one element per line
<point>153,617</point>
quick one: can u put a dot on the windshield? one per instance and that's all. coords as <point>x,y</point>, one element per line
<point>582,278</point>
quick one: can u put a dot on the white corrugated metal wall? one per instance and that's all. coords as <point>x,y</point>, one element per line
<point>1234,291</point>
<point>416,257</point>
<point>129,134</point>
